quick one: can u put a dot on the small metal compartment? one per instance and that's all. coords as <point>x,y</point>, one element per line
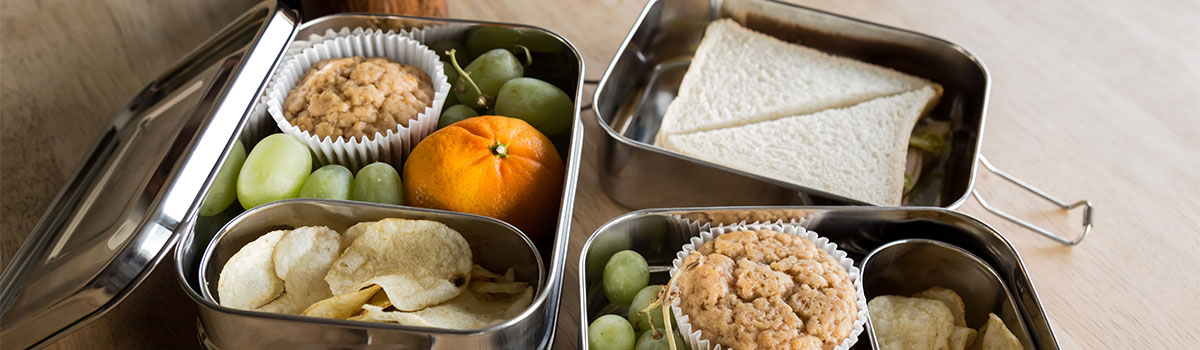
<point>644,76</point>
<point>495,245</point>
<point>137,196</point>
<point>998,279</point>
<point>909,266</point>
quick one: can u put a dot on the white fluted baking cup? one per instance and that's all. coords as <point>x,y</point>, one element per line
<point>391,146</point>
<point>694,337</point>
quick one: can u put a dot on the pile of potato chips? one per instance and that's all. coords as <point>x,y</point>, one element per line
<point>411,272</point>
<point>934,319</point>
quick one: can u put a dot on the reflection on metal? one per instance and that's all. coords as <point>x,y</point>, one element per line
<point>119,214</point>
<point>1086,204</point>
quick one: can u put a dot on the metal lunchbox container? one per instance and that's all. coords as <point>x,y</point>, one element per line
<point>137,195</point>
<point>644,76</point>
<point>494,244</point>
<point>657,234</point>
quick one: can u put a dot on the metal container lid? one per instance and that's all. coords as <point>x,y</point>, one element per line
<point>138,188</point>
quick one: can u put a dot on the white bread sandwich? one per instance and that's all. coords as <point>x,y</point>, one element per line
<point>857,151</point>
<point>739,76</point>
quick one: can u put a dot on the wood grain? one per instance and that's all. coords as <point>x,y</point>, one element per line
<point>1097,100</point>
<point>426,8</point>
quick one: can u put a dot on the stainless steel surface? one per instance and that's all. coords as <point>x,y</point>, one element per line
<point>495,245</point>
<point>228,328</point>
<point>1086,204</point>
<point>908,266</point>
<point>121,210</point>
<point>644,77</point>
<point>656,235</point>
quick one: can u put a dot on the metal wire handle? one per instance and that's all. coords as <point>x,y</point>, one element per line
<point>1087,207</point>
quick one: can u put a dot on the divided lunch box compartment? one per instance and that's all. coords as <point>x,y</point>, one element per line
<point>657,234</point>
<point>138,192</point>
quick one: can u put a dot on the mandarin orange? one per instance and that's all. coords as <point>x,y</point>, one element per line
<point>492,166</point>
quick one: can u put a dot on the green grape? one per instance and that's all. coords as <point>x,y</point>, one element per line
<point>640,301</point>
<point>329,182</point>
<point>625,274</point>
<point>455,114</point>
<point>460,51</point>
<point>379,183</point>
<point>451,100</point>
<point>207,226</point>
<point>601,249</point>
<point>489,71</point>
<point>224,188</point>
<point>647,341</point>
<point>610,332</point>
<point>542,105</point>
<point>451,78</point>
<point>486,38</point>
<point>275,169</point>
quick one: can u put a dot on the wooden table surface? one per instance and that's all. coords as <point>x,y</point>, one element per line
<point>1096,100</point>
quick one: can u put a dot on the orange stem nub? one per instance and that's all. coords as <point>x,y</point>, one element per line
<point>499,149</point>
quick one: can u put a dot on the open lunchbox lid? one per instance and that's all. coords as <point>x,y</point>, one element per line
<point>139,187</point>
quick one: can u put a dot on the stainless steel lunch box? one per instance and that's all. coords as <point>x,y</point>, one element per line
<point>657,234</point>
<point>137,194</point>
<point>495,245</point>
<point>642,80</point>
<point>645,74</point>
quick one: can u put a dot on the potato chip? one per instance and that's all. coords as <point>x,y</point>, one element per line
<point>910,323</point>
<point>248,279</point>
<point>470,310</point>
<point>380,300</point>
<point>962,338</point>
<point>951,299</point>
<point>994,335</point>
<point>484,281</point>
<point>418,263</point>
<point>508,276</point>
<point>498,287</point>
<point>354,232</point>
<point>342,306</point>
<point>302,258</point>
<point>479,273</point>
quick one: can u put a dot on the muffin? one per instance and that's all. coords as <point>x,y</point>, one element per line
<point>357,97</point>
<point>761,288</point>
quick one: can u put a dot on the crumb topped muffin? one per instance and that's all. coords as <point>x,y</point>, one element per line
<point>357,97</point>
<point>764,289</point>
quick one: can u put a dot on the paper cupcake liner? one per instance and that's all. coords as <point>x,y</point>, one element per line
<point>390,147</point>
<point>695,339</point>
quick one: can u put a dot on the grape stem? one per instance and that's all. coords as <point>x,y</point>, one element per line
<point>660,301</point>
<point>528,56</point>
<point>481,101</point>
